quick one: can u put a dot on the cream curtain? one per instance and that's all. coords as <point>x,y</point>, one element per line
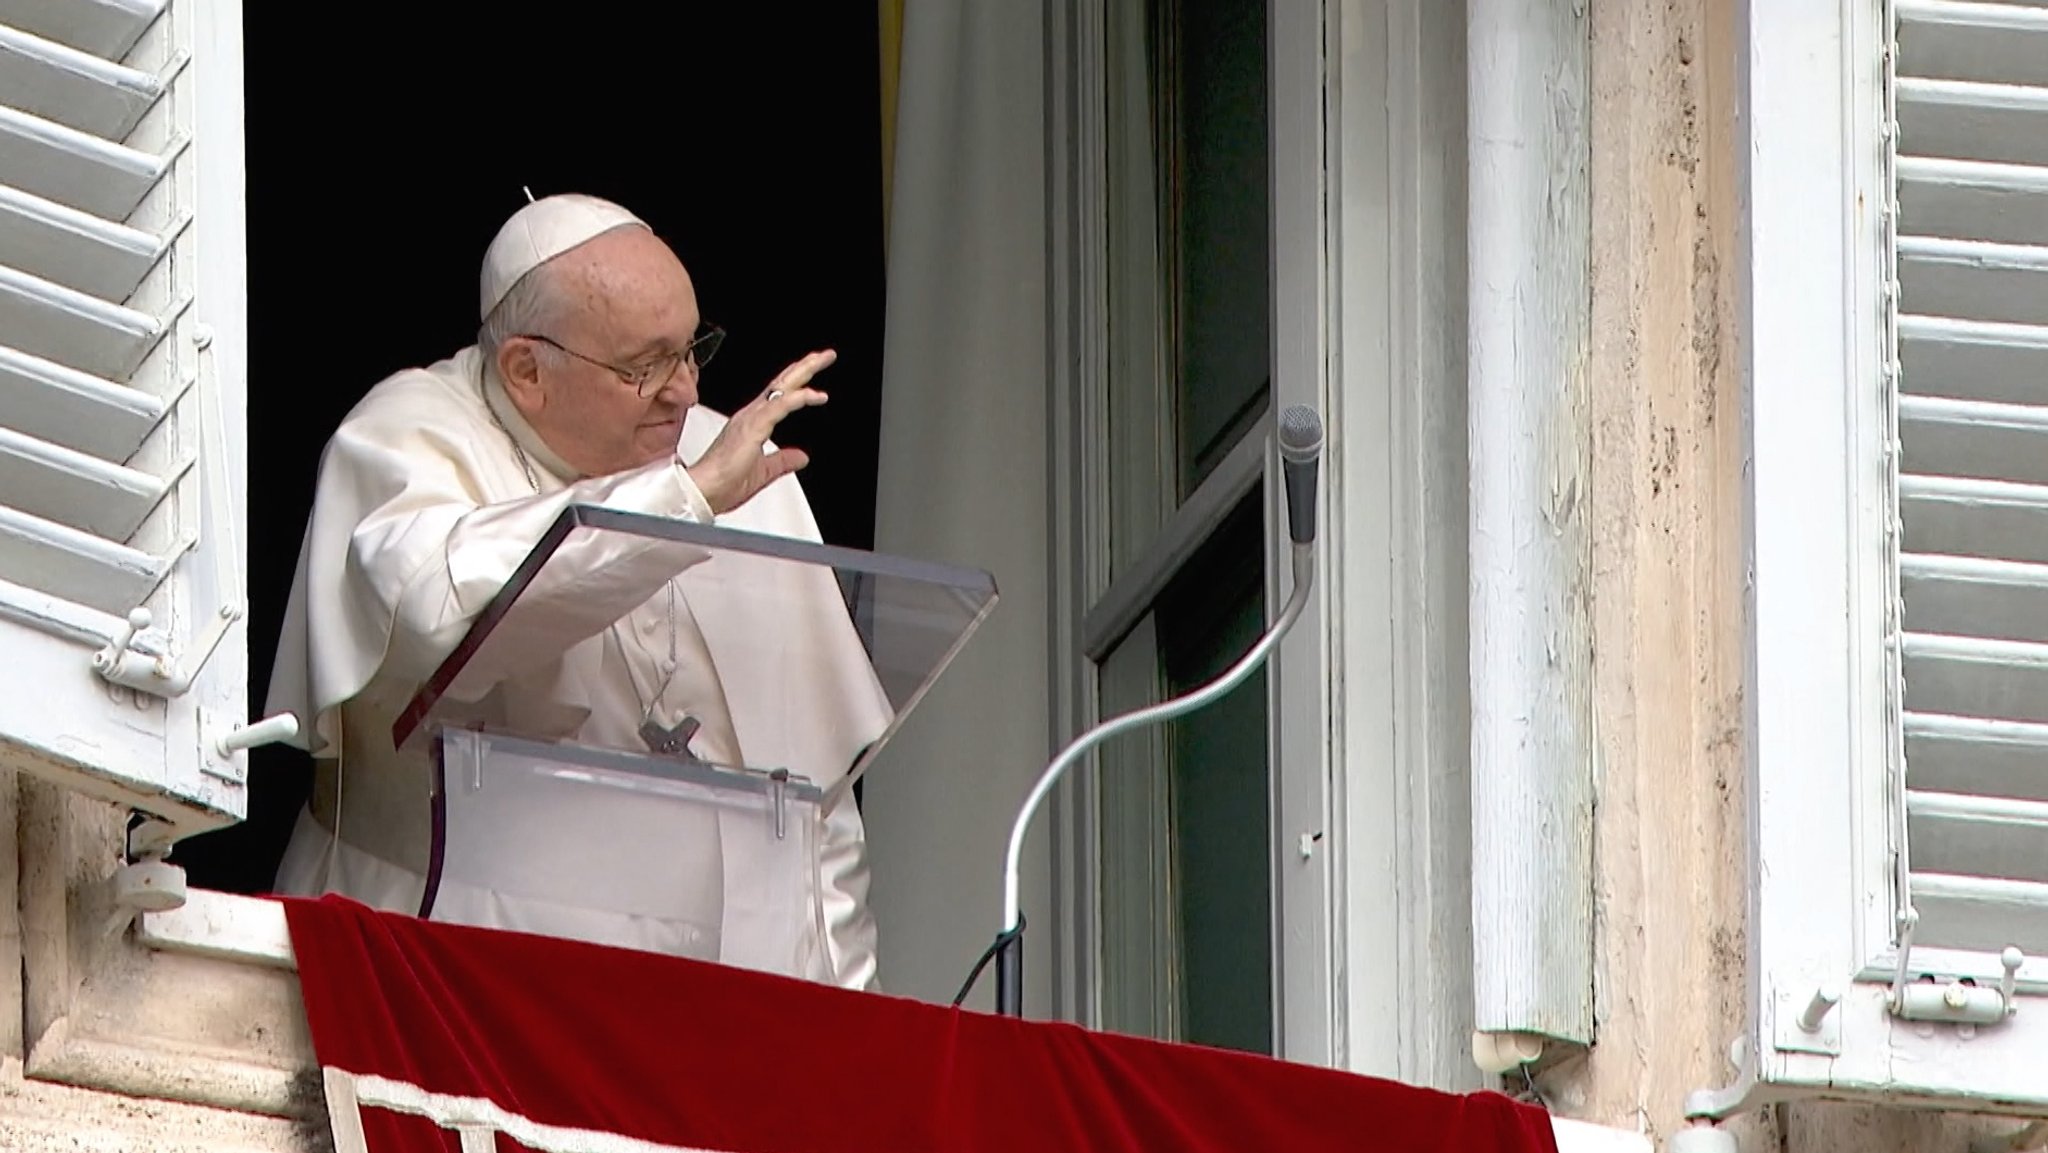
<point>963,479</point>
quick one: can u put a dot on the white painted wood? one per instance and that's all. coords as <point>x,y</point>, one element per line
<point>105,28</point>
<point>1979,459</point>
<point>1974,359</point>
<point>1971,755</point>
<point>1076,249</point>
<point>2001,43</point>
<point>76,168</point>
<point>1973,329</point>
<point>1373,920</point>
<point>1529,312</point>
<point>74,488</point>
<point>73,329</point>
<point>73,88</point>
<point>74,249</point>
<point>122,396</point>
<point>1814,390</point>
<point>1305,665</point>
<point>77,566</point>
<point>1973,200</point>
<point>1942,765</point>
<point>1964,120</point>
<point>1398,593</point>
<point>1943,277</point>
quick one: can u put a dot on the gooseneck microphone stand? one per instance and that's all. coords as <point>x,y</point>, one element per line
<point>1301,442</point>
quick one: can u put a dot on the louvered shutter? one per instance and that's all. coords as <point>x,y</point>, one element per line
<point>121,398</point>
<point>1971,249</point>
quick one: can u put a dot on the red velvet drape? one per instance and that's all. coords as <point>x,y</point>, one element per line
<point>705,1057</point>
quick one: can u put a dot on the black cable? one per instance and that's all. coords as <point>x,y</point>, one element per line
<point>1003,938</point>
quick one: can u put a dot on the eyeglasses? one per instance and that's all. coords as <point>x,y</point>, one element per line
<point>650,376</point>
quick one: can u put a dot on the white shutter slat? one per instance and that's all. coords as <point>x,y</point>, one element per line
<point>2003,282</point>
<point>1992,678</point>
<point>76,168</point>
<point>1946,438</point>
<point>87,297</point>
<point>1974,200</point>
<point>74,409</point>
<point>74,249</point>
<point>123,365</point>
<point>1978,756</point>
<point>1995,43</point>
<point>73,88</point>
<point>1994,836</point>
<point>1975,359</point>
<point>1996,123</point>
<point>75,489</point>
<point>1979,913</point>
<point>1971,261</point>
<point>105,28</point>
<point>77,566</point>
<point>1979,868</point>
<point>1964,596</point>
<point>75,329</point>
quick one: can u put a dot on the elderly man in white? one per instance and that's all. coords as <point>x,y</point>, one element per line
<point>581,389</point>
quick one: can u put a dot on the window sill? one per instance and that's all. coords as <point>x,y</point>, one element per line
<point>1583,1137</point>
<point>252,930</point>
<point>223,926</point>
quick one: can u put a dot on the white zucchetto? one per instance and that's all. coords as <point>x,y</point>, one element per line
<point>541,231</point>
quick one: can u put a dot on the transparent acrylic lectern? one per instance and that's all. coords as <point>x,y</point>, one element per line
<point>639,740</point>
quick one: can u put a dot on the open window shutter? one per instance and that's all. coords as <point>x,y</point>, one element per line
<point>121,398</point>
<point>1971,316</point>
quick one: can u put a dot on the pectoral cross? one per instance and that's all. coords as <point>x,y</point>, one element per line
<point>670,741</point>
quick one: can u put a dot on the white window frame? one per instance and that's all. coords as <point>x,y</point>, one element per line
<point>1374,974</point>
<point>1823,816</point>
<point>1305,997</point>
<point>1396,573</point>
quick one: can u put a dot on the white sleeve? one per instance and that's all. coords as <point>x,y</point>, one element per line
<point>843,879</point>
<point>426,555</point>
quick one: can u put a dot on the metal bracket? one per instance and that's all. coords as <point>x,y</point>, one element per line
<point>147,883</point>
<point>141,657</point>
<point>1810,1024</point>
<point>1728,1100</point>
<point>1963,1003</point>
<point>221,764</point>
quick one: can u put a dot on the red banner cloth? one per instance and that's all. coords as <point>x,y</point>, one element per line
<point>530,1042</point>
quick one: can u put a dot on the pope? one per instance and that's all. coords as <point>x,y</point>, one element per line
<point>580,389</point>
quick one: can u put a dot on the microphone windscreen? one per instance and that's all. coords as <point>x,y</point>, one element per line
<point>1301,431</point>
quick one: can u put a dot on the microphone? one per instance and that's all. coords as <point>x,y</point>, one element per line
<point>1301,446</point>
<point>1301,449</point>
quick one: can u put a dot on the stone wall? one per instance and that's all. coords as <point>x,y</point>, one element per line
<point>107,1045</point>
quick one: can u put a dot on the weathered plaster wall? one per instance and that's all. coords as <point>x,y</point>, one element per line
<point>1668,588</point>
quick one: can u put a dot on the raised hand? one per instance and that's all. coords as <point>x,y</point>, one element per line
<point>735,467</point>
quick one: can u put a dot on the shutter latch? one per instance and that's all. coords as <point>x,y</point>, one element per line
<point>141,657</point>
<point>1960,1001</point>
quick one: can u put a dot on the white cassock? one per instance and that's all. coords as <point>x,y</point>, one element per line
<point>423,510</point>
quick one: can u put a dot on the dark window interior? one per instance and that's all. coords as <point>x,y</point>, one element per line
<point>384,154</point>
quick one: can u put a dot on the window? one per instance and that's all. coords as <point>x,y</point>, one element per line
<point>1200,909</point>
<point>122,341</point>
<point>1185,834</point>
<point>1898,533</point>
